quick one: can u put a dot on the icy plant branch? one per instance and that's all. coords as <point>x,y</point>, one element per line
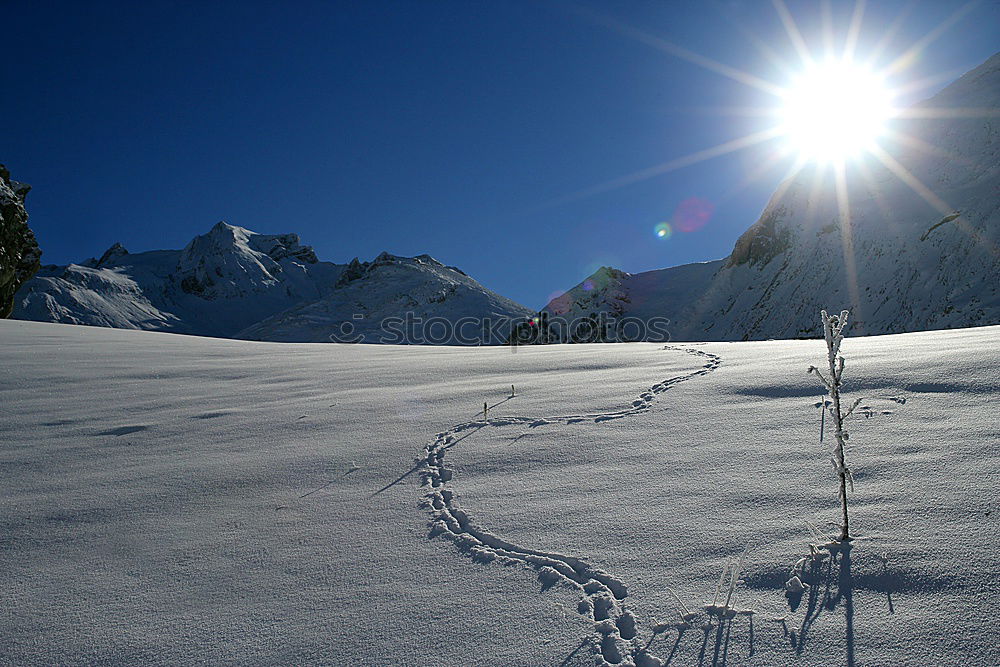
<point>833,332</point>
<point>727,610</point>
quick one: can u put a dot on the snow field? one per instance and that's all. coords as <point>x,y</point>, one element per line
<point>171,499</point>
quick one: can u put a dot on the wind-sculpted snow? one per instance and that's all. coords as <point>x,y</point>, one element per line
<point>601,594</point>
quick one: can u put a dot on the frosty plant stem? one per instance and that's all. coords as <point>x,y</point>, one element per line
<point>833,327</point>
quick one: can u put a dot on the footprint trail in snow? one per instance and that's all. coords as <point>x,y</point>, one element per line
<point>601,594</point>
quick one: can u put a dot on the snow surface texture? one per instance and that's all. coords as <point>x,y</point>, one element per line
<point>172,500</point>
<point>273,287</point>
<point>899,263</point>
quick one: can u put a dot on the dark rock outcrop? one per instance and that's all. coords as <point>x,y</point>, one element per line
<point>765,240</point>
<point>19,253</point>
<point>353,271</point>
<point>111,254</point>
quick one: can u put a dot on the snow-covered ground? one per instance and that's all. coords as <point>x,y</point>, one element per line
<point>179,500</point>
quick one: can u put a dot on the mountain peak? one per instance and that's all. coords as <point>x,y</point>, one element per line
<point>357,269</point>
<point>223,226</point>
<point>231,279</point>
<point>112,253</point>
<point>608,272</point>
<point>19,189</point>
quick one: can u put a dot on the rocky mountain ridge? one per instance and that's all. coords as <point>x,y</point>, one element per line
<point>232,282</point>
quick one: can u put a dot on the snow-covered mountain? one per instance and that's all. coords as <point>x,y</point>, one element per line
<point>232,279</point>
<point>372,299</point>
<point>921,248</point>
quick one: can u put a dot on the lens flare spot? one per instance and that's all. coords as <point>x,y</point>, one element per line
<point>692,214</point>
<point>588,285</point>
<point>663,230</point>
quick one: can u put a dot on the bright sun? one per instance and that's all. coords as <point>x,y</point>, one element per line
<point>834,111</point>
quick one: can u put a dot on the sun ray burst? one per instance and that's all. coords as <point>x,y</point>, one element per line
<point>854,30</point>
<point>793,31</point>
<point>928,148</point>
<point>847,241</point>
<point>828,113</point>
<point>889,34</point>
<point>677,50</point>
<point>909,56</point>
<point>941,206</point>
<point>826,22</point>
<point>662,168</point>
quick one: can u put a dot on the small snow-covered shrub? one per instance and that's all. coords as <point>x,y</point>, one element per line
<point>833,328</point>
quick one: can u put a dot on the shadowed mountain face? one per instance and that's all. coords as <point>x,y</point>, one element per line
<point>900,259</point>
<point>19,253</point>
<point>232,279</point>
<point>397,300</point>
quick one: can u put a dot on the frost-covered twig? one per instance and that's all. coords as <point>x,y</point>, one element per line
<point>718,586</point>
<point>814,531</point>
<point>726,610</point>
<point>681,607</point>
<point>854,406</point>
<point>833,332</point>
<point>736,575</point>
<point>683,613</point>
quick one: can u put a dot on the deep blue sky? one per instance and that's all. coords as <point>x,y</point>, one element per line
<point>451,128</point>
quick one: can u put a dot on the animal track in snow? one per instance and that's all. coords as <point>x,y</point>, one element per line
<point>601,593</point>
